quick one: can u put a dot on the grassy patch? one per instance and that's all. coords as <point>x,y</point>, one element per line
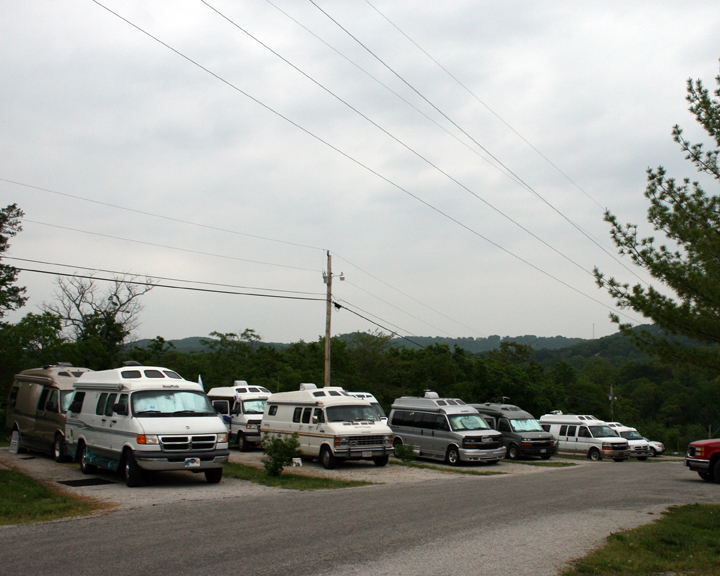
<point>686,540</point>
<point>24,500</point>
<point>546,463</point>
<point>456,470</point>
<point>286,479</point>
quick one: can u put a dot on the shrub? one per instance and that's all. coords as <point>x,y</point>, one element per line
<point>280,450</point>
<point>405,452</point>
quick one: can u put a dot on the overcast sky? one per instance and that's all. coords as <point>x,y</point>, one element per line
<point>445,153</point>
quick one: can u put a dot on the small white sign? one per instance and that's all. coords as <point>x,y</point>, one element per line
<point>15,442</point>
<point>297,462</point>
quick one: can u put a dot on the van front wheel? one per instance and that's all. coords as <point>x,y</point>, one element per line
<point>132,473</point>
<point>213,475</point>
<point>594,455</point>
<point>242,443</point>
<point>380,460</point>
<point>85,466</point>
<point>512,452</point>
<point>59,449</point>
<point>453,456</point>
<point>327,459</point>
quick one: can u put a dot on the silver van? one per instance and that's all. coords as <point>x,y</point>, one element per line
<point>444,429</point>
<point>37,405</point>
<point>522,434</point>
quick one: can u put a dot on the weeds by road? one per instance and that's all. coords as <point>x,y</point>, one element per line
<point>24,500</point>
<point>686,540</point>
<point>287,479</point>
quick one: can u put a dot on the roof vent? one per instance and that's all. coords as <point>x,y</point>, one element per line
<point>308,386</point>
<point>64,364</point>
<point>131,363</point>
<point>240,383</point>
<point>431,395</point>
<point>556,412</point>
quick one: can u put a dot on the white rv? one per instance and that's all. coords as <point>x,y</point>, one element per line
<point>141,419</point>
<point>638,445</point>
<point>241,407</point>
<point>585,435</point>
<point>331,425</point>
<point>373,402</point>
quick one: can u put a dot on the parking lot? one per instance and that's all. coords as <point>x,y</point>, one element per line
<point>171,487</point>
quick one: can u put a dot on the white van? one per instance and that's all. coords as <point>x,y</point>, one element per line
<point>242,407</point>
<point>331,424</point>
<point>638,445</point>
<point>585,435</point>
<point>37,404</point>
<point>142,419</point>
<point>373,402</point>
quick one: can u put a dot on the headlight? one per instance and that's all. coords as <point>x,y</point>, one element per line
<point>341,440</point>
<point>387,440</point>
<point>147,439</point>
<point>222,438</point>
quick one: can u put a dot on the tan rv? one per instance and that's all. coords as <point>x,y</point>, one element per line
<point>37,404</point>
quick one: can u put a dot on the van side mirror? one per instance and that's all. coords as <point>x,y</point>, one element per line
<point>51,407</point>
<point>237,409</point>
<point>314,419</point>
<point>75,407</point>
<point>120,409</point>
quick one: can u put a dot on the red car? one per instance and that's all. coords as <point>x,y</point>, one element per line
<point>703,456</point>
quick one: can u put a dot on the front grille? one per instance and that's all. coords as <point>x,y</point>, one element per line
<point>370,440</point>
<point>188,443</point>
<point>483,442</point>
<point>543,443</point>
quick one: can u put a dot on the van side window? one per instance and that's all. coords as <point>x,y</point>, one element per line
<point>123,400</point>
<point>441,423</point>
<point>545,427</point>
<point>398,417</point>
<point>306,415</point>
<point>563,430</point>
<point>504,425</point>
<point>320,415</point>
<point>43,399</point>
<point>273,410</point>
<point>100,408</point>
<point>53,400</point>
<point>584,432</point>
<point>12,400</point>
<point>109,404</point>
<point>296,414</point>
<point>571,430</point>
<point>417,420</point>
<point>77,402</point>
<point>428,421</point>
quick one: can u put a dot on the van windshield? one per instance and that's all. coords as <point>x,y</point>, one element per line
<point>461,422</point>
<point>379,410</point>
<point>65,400</point>
<point>253,406</point>
<point>161,403</point>
<point>602,432</point>
<point>631,435</point>
<point>350,413</point>
<point>526,425</point>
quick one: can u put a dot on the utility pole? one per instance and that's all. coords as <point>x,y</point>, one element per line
<point>327,278</point>
<point>328,312</point>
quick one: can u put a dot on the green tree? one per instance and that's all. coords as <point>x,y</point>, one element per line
<point>689,266</point>
<point>11,296</point>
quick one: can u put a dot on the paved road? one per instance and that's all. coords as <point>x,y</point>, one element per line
<point>521,524</point>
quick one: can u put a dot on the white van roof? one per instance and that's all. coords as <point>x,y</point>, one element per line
<point>62,375</point>
<point>364,396</point>
<point>328,396</point>
<point>246,392</point>
<point>135,378</point>
<point>571,419</point>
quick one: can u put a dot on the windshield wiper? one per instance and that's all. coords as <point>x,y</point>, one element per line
<point>147,412</point>
<point>186,412</point>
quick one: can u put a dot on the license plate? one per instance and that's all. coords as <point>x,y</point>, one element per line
<point>542,451</point>
<point>192,462</point>
<point>366,454</point>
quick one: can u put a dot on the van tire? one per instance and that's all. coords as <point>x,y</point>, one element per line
<point>545,456</point>
<point>594,455</point>
<point>513,452</point>
<point>60,453</point>
<point>242,443</point>
<point>453,456</point>
<point>85,466</point>
<point>132,473</point>
<point>705,476</point>
<point>213,475</point>
<point>397,442</point>
<point>381,460</point>
<point>327,459</point>
<point>642,458</point>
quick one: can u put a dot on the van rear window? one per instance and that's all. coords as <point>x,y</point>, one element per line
<point>171,374</point>
<point>154,374</point>
<point>131,374</point>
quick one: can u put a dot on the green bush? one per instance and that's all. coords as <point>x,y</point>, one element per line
<point>405,452</point>
<point>280,450</point>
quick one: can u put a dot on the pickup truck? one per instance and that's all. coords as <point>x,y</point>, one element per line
<point>703,457</point>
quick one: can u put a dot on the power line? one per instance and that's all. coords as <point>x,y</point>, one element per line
<point>144,213</point>
<point>169,247</point>
<point>161,277</point>
<point>347,156</point>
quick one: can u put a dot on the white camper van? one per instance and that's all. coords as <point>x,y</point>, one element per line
<point>141,419</point>
<point>331,424</point>
<point>585,435</point>
<point>242,407</point>
<point>373,402</point>
<point>639,447</point>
